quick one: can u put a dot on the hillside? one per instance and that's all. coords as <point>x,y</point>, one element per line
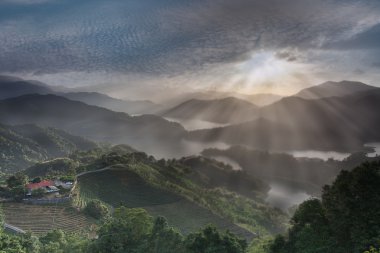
<point>117,186</point>
<point>334,89</point>
<point>336,123</point>
<point>224,110</point>
<point>345,219</point>
<point>14,87</point>
<point>23,145</point>
<point>114,104</point>
<point>41,219</point>
<point>92,122</point>
<point>306,174</point>
<point>185,191</point>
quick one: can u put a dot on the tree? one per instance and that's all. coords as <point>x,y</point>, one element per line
<point>96,209</point>
<point>18,192</point>
<point>19,179</point>
<point>58,241</point>
<point>352,207</point>
<point>209,240</point>
<point>127,231</point>
<point>36,180</point>
<point>164,239</point>
<point>346,221</point>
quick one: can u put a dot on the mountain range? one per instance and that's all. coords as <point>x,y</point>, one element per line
<point>13,87</point>
<point>144,132</point>
<point>334,123</point>
<point>224,110</point>
<point>336,89</point>
<point>114,104</point>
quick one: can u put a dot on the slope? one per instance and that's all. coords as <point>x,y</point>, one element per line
<point>114,104</point>
<point>224,110</point>
<point>14,87</point>
<point>336,123</point>
<point>331,89</point>
<point>92,122</point>
<point>23,145</point>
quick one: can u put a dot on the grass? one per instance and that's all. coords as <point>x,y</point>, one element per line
<point>40,219</point>
<point>116,187</point>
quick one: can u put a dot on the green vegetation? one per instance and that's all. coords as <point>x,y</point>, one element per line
<point>133,230</point>
<point>191,193</point>
<point>347,220</point>
<point>141,181</point>
<point>24,145</point>
<point>129,230</point>
<point>122,187</point>
<point>96,209</point>
<point>15,187</point>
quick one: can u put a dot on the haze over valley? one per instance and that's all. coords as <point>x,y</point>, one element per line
<point>189,126</point>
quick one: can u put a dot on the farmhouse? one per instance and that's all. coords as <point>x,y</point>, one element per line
<point>47,185</point>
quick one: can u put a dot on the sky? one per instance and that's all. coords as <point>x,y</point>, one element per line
<point>141,48</point>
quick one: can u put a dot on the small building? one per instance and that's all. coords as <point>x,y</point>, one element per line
<point>47,185</point>
<point>65,185</point>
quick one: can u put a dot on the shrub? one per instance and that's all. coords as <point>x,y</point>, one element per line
<point>96,209</point>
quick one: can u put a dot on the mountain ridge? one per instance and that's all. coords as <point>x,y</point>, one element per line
<point>224,110</point>
<point>331,89</point>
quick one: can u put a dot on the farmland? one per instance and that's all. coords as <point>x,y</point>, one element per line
<point>116,187</point>
<point>40,219</point>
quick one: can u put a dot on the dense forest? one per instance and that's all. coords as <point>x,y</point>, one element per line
<point>345,220</point>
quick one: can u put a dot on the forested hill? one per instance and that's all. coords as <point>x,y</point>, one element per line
<point>146,132</point>
<point>23,145</point>
<point>346,220</point>
<point>201,190</point>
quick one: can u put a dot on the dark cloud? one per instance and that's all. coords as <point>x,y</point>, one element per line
<point>369,39</point>
<point>173,36</point>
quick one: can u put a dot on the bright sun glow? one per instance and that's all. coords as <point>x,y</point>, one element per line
<point>264,72</point>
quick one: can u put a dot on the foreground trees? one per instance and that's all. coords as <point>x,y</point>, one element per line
<point>128,231</point>
<point>135,231</point>
<point>347,220</point>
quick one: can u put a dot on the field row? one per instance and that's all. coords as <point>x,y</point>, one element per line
<point>42,219</point>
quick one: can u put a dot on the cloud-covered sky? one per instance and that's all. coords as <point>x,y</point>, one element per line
<point>240,45</point>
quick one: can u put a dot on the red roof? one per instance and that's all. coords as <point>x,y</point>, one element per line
<point>41,184</point>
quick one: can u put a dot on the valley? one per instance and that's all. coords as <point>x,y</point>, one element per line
<point>189,126</point>
<point>205,163</point>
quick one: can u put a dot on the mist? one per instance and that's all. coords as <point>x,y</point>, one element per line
<point>258,117</point>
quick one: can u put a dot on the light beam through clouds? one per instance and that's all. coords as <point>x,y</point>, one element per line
<point>243,45</point>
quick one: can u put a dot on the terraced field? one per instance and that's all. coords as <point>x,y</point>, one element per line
<point>117,187</point>
<point>41,219</point>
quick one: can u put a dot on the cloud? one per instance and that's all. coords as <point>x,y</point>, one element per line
<point>25,1</point>
<point>188,38</point>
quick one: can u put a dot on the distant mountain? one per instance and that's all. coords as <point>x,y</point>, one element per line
<point>14,87</point>
<point>332,89</point>
<point>336,123</point>
<point>144,132</point>
<point>23,145</point>
<point>224,110</point>
<point>261,99</point>
<point>114,104</point>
